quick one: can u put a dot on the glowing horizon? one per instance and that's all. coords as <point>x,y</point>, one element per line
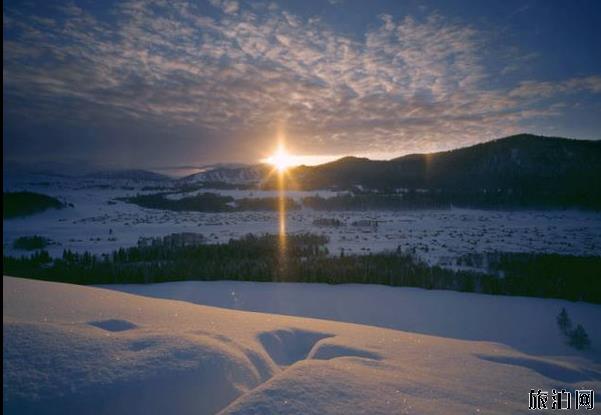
<point>281,159</point>
<point>294,160</point>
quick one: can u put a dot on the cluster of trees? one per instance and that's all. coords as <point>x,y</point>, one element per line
<point>209,202</point>
<point>576,337</point>
<point>543,275</point>
<point>333,222</point>
<point>298,258</point>
<point>214,202</point>
<point>203,202</point>
<point>16,204</point>
<point>30,243</point>
<point>265,203</point>
<point>355,201</point>
<point>437,199</point>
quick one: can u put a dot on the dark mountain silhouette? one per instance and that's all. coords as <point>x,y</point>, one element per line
<point>522,169</point>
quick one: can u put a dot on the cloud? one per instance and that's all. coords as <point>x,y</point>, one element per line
<point>529,89</point>
<point>228,6</point>
<point>239,71</point>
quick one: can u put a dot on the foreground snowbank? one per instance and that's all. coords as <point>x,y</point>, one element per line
<point>525,324</point>
<point>73,349</point>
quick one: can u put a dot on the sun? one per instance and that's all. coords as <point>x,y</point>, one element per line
<point>281,159</point>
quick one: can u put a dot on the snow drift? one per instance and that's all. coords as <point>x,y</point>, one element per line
<point>523,323</point>
<point>73,349</point>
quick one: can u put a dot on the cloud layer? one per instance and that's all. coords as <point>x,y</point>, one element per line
<point>238,71</point>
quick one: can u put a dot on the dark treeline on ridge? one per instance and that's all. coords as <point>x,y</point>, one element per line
<point>208,202</point>
<point>521,170</point>
<point>16,204</point>
<point>355,201</point>
<point>304,258</point>
<point>31,243</point>
<point>423,199</point>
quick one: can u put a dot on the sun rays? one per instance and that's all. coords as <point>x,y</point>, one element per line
<point>282,162</point>
<point>281,159</point>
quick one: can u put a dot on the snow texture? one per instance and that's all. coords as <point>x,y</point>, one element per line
<point>75,349</point>
<point>525,324</point>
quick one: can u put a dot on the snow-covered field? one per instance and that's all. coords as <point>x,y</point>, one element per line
<point>99,224</point>
<point>73,349</point>
<point>466,316</point>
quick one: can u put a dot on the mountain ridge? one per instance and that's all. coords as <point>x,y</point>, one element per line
<point>517,155</point>
<point>523,170</point>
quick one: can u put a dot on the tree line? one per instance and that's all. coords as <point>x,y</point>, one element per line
<point>353,201</point>
<point>209,202</point>
<point>17,204</point>
<point>300,258</point>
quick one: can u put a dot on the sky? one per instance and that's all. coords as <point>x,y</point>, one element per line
<point>160,84</point>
